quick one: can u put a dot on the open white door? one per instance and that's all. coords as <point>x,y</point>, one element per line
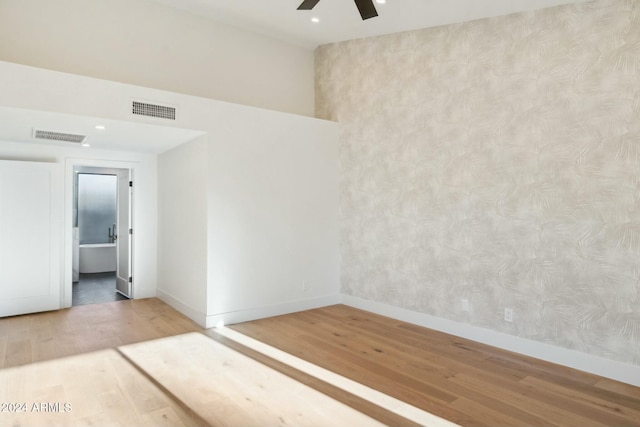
<point>124,280</point>
<point>29,239</point>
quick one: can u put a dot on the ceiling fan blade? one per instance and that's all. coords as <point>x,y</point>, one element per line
<point>308,4</point>
<point>366,8</point>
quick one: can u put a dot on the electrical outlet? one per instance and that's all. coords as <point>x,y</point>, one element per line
<point>508,314</point>
<point>464,304</point>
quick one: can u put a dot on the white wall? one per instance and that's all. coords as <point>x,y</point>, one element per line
<point>146,43</point>
<point>145,202</point>
<point>182,228</point>
<point>271,202</point>
<point>273,215</point>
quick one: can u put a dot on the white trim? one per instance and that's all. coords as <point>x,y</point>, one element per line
<point>246,315</point>
<point>193,314</point>
<point>607,368</point>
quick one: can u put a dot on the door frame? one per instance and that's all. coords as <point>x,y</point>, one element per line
<point>70,164</point>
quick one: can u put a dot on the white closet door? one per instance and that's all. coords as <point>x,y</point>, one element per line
<point>29,239</point>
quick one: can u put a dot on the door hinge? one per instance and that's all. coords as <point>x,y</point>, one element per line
<point>130,279</point>
<point>130,183</point>
<point>131,231</point>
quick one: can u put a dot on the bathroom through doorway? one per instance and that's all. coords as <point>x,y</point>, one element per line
<point>102,235</point>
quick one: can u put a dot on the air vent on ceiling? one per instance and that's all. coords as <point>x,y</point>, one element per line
<point>58,136</point>
<point>153,110</point>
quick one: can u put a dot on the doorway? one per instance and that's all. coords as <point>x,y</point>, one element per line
<point>102,242</point>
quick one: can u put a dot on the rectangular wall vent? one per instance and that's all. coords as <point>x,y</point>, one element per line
<point>58,136</point>
<point>153,110</point>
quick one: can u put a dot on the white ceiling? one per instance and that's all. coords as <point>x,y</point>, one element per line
<point>340,20</point>
<point>18,125</point>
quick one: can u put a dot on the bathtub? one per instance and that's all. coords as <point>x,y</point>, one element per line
<point>97,258</point>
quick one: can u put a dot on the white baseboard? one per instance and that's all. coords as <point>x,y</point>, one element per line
<point>269,311</point>
<point>607,368</point>
<point>190,312</point>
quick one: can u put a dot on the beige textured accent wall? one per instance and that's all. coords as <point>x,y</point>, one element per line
<point>497,161</point>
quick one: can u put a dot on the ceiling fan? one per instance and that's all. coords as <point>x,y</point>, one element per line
<point>366,7</point>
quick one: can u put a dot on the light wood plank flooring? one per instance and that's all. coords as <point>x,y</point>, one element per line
<point>43,336</point>
<point>465,382</point>
<point>459,380</point>
<point>226,388</point>
<point>96,389</point>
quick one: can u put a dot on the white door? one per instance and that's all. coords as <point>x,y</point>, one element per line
<point>29,238</point>
<point>124,238</point>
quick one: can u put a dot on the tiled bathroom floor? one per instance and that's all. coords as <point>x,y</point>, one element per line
<point>95,289</point>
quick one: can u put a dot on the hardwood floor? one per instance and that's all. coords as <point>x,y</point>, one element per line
<point>69,357</point>
<point>43,336</point>
<point>355,401</point>
<point>465,382</point>
<point>226,388</point>
<point>99,388</point>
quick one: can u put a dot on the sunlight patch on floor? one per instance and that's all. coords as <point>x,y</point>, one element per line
<point>225,387</point>
<point>99,388</point>
<point>384,401</point>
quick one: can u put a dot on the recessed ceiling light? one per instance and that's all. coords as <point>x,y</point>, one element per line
<point>315,19</point>
<point>100,127</point>
<point>381,1</point>
<point>86,144</point>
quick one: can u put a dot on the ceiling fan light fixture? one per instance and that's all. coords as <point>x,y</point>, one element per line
<point>366,7</point>
<point>308,4</point>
